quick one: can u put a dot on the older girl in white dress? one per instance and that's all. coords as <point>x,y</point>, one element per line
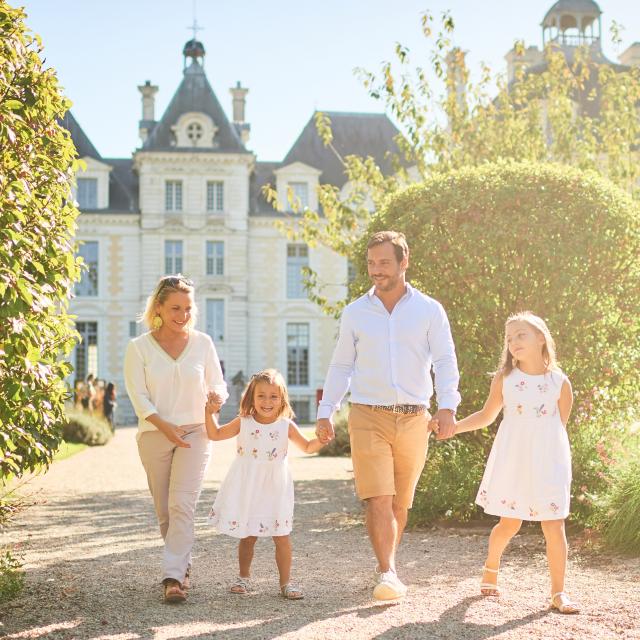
<point>255,499</point>
<point>528,473</point>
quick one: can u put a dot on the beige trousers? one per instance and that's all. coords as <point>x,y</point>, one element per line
<point>175,476</point>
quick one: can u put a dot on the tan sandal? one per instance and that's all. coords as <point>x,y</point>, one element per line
<point>241,586</point>
<point>290,592</point>
<point>186,583</point>
<point>173,593</point>
<point>569,607</point>
<point>488,588</point>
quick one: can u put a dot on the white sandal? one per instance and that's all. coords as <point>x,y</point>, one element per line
<point>290,592</point>
<point>488,586</point>
<point>241,586</point>
<point>569,607</point>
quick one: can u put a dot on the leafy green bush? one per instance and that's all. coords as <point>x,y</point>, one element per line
<point>341,445</point>
<point>86,428</point>
<point>11,574</point>
<point>622,512</point>
<point>37,260</point>
<point>449,482</point>
<point>492,240</point>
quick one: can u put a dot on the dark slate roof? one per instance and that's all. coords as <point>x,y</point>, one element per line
<point>123,185</point>
<point>123,182</point>
<point>84,147</point>
<point>194,94</point>
<point>362,134</point>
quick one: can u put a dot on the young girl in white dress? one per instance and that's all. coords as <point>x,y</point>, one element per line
<point>528,473</point>
<point>255,499</point>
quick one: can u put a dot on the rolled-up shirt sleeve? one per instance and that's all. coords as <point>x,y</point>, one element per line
<point>340,370</point>
<point>214,379</point>
<point>136,384</point>
<point>444,362</point>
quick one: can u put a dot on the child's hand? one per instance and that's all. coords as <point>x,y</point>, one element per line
<point>433,426</point>
<point>214,402</point>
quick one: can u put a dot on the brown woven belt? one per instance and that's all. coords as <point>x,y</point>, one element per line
<point>407,409</point>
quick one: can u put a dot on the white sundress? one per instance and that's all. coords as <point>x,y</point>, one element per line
<point>256,496</point>
<point>528,473</point>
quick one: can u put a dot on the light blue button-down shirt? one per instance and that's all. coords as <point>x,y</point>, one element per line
<point>386,358</point>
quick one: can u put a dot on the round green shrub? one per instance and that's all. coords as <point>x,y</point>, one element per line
<point>493,240</point>
<point>86,429</point>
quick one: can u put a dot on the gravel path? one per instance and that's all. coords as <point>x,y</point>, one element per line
<point>93,556</point>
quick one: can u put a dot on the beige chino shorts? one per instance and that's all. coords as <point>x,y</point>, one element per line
<point>388,451</point>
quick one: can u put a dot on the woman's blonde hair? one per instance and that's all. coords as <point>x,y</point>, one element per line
<point>270,376</point>
<point>508,362</point>
<point>165,287</point>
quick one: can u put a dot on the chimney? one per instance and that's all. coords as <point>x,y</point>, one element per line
<point>148,92</point>
<point>631,55</point>
<point>239,102</point>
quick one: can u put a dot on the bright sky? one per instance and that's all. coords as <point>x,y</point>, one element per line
<point>295,56</point>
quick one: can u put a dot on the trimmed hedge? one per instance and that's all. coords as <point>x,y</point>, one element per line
<point>86,428</point>
<point>492,240</point>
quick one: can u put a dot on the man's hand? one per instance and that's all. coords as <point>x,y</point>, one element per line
<point>446,423</point>
<point>324,430</point>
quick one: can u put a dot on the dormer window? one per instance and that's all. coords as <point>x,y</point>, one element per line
<point>194,132</point>
<point>300,192</point>
<point>87,193</point>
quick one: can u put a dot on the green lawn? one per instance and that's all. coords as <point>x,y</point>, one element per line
<point>68,449</point>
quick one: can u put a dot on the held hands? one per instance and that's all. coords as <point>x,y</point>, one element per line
<point>325,431</point>
<point>443,424</point>
<point>214,402</point>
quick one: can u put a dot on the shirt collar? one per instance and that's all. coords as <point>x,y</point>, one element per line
<point>408,292</point>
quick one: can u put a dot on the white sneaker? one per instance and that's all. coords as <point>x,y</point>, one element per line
<point>389,587</point>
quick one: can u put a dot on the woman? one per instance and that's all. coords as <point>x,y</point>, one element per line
<point>168,373</point>
<point>109,404</point>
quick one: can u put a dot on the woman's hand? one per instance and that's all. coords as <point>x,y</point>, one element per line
<point>174,434</point>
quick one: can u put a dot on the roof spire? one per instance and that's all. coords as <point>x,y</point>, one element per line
<point>194,49</point>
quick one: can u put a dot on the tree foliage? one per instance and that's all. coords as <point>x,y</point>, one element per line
<point>492,240</point>
<point>37,262</point>
<point>574,110</point>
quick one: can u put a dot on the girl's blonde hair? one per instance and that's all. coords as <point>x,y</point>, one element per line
<point>508,362</point>
<point>270,376</point>
<point>165,287</point>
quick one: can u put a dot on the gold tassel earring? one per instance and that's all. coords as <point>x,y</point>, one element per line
<point>156,323</point>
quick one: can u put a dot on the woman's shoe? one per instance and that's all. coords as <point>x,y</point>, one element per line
<point>489,588</point>
<point>563,603</point>
<point>173,592</point>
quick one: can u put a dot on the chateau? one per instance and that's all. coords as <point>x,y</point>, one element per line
<point>190,201</point>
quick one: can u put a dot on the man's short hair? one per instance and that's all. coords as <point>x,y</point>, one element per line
<point>396,238</point>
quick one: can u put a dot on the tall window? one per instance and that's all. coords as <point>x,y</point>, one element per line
<point>352,272</point>
<point>298,353</point>
<point>215,319</point>
<point>215,258</point>
<point>88,285</point>
<point>87,195</point>
<point>297,258</point>
<point>87,350</point>
<point>173,195</point>
<point>172,256</point>
<point>300,193</point>
<point>215,196</point>
<point>300,407</point>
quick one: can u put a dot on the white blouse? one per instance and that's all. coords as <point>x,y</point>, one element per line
<point>174,389</point>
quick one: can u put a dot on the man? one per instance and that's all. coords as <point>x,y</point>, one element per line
<point>389,340</point>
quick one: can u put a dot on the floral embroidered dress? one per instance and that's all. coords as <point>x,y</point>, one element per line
<point>256,497</point>
<point>528,473</point>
